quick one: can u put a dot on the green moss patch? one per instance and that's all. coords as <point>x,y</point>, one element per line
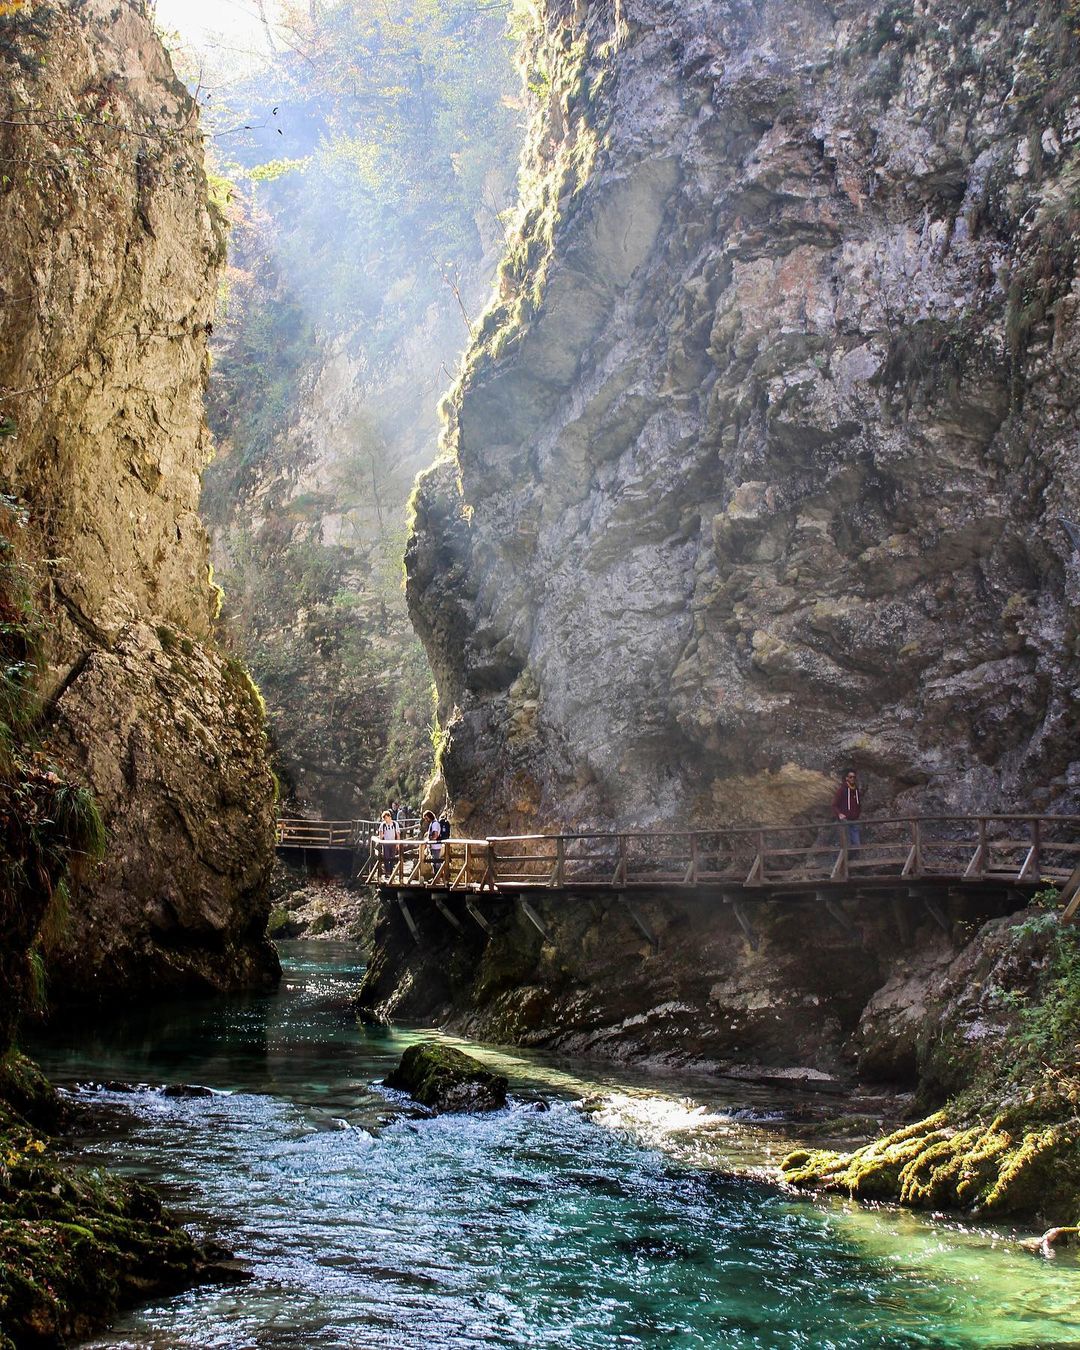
<point>1016,1165</point>
<point>1007,1142</point>
<point>447,1080</point>
<point>75,1245</point>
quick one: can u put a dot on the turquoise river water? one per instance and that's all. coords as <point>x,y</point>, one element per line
<point>366,1226</point>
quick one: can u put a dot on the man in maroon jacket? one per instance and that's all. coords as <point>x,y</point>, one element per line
<point>847,807</point>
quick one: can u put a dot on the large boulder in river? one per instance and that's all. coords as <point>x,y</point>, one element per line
<point>447,1080</point>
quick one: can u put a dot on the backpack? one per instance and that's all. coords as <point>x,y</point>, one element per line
<point>444,829</point>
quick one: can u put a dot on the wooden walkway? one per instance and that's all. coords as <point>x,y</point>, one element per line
<point>925,854</point>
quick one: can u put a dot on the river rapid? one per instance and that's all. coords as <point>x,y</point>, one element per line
<point>366,1226</point>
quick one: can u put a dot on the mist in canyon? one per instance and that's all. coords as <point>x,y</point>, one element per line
<point>366,161</point>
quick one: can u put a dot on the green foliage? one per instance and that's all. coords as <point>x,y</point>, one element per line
<point>220,190</point>
<point>274,169</point>
<point>1050,1024</point>
<point>77,817</point>
<point>239,680</point>
<point>400,136</point>
<point>23,28</point>
<point>38,985</point>
<point>54,926</point>
<point>20,634</point>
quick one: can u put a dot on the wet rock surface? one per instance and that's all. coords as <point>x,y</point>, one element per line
<point>758,462</point>
<point>795,1007</point>
<point>447,1080</point>
<point>75,1245</point>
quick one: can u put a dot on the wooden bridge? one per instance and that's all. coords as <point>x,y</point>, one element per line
<point>922,855</point>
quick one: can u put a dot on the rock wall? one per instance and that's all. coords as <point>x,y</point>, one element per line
<point>759,461</point>
<point>109,259</point>
<point>805,991</point>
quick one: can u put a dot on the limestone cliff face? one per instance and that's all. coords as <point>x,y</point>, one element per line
<point>109,261</point>
<point>757,463</point>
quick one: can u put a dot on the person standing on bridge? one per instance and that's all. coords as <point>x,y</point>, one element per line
<point>432,832</point>
<point>847,808</point>
<point>389,835</point>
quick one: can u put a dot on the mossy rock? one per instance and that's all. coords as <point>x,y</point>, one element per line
<point>26,1090</point>
<point>281,924</point>
<point>447,1080</point>
<point>75,1245</point>
<point>322,923</point>
<point>1016,1165</point>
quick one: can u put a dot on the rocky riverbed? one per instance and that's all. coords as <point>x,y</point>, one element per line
<point>320,905</point>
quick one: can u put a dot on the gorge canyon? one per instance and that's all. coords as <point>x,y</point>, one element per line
<point>745,447</point>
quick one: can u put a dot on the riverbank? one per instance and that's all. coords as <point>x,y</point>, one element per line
<point>973,1014</point>
<point>76,1246</point>
<point>307,905</point>
<point>1001,1068</point>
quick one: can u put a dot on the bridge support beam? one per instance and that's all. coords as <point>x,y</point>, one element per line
<point>534,918</point>
<point>903,923</point>
<point>639,923</point>
<point>832,908</point>
<point>447,913</point>
<point>937,914</point>
<point>471,907</point>
<point>409,920</point>
<point>743,919</point>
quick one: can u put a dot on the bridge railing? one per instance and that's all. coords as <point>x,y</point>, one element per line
<point>296,833</point>
<point>1017,848</point>
<point>457,863</point>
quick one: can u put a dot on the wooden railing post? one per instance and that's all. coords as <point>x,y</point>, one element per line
<point>913,864</point>
<point>692,873</point>
<point>757,871</point>
<point>840,867</point>
<point>1033,862</point>
<point>558,875</point>
<point>977,866</point>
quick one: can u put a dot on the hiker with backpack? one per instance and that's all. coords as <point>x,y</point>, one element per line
<point>388,836</point>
